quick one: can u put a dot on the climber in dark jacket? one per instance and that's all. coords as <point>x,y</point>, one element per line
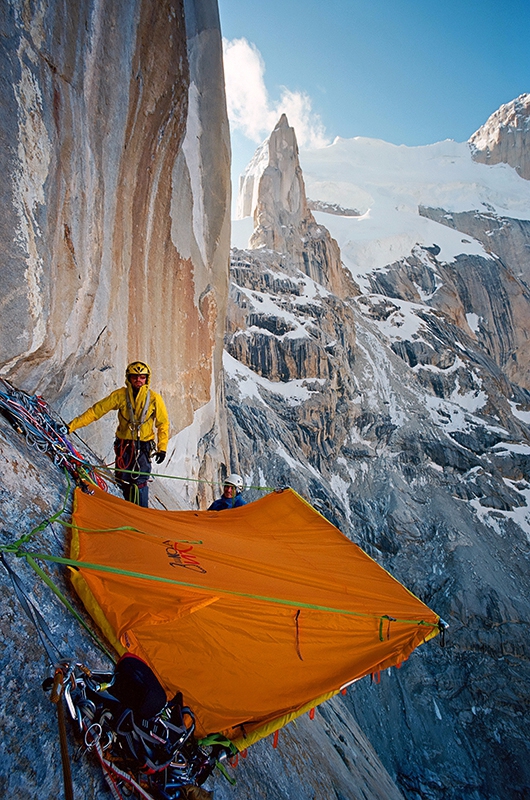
<point>140,411</point>
<point>231,497</point>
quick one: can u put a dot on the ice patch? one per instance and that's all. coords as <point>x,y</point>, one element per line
<point>524,416</point>
<point>473,322</point>
<point>456,365</point>
<point>340,487</point>
<point>265,304</point>
<point>402,324</point>
<point>452,416</point>
<point>471,401</point>
<point>511,447</point>
<point>493,517</point>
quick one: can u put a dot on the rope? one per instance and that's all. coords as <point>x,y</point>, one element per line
<point>114,775</point>
<point>185,479</point>
<point>64,600</point>
<point>32,416</point>
<point>33,614</point>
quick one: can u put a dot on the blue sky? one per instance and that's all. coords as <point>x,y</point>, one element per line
<point>407,71</point>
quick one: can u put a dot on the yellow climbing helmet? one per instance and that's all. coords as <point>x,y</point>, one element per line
<point>137,368</point>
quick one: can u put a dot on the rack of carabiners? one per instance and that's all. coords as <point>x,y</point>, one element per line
<point>32,417</point>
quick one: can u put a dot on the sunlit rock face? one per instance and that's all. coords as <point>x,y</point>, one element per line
<point>273,191</point>
<point>115,196</point>
<point>289,320</point>
<point>505,137</point>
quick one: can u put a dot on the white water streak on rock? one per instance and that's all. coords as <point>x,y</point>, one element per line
<point>191,151</point>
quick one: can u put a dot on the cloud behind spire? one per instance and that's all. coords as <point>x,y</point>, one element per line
<point>252,111</point>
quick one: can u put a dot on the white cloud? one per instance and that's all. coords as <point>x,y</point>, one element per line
<point>251,110</point>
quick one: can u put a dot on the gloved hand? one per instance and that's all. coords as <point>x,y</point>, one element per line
<point>160,456</point>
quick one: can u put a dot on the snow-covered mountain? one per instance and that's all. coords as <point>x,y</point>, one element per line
<point>399,404</point>
<point>386,184</point>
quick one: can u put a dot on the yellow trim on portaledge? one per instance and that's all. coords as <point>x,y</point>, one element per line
<point>274,725</point>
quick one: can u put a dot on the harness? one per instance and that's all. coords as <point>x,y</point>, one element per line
<point>135,423</point>
<point>129,452</point>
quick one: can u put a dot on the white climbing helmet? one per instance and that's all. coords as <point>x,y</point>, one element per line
<point>234,480</point>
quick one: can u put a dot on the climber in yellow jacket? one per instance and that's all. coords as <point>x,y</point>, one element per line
<point>140,410</point>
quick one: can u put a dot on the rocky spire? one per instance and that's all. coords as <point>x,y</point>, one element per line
<point>505,137</point>
<point>273,191</point>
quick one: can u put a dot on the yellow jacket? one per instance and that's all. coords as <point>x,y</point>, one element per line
<point>137,417</point>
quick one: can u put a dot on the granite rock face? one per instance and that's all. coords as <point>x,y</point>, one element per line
<point>495,291</point>
<point>115,225</point>
<point>505,137</point>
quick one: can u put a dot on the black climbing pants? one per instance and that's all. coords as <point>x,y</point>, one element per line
<point>134,456</point>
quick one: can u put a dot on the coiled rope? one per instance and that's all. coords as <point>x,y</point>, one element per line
<point>31,416</point>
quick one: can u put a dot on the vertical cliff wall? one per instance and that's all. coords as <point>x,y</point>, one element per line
<point>114,236</point>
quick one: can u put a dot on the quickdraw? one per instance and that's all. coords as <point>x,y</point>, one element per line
<point>145,745</point>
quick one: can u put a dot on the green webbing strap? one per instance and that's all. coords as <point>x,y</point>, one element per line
<point>390,619</point>
<point>43,525</point>
<point>217,739</point>
<point>224,772</point>
<point>69,562</point>
<point>99,530</point>
<point>14,548</point>
<point>57,592</point>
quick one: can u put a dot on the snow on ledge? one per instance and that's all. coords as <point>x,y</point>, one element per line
<point>249,382</point>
